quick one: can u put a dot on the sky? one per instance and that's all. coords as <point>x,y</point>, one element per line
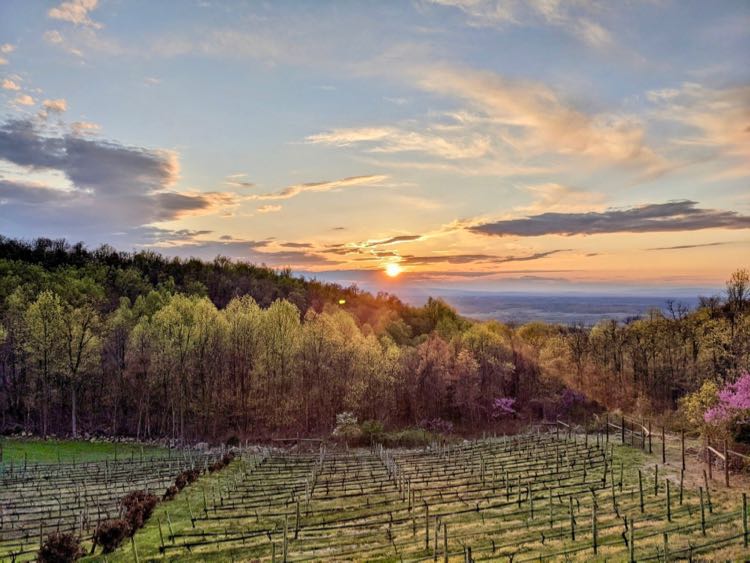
<point>476,144</point>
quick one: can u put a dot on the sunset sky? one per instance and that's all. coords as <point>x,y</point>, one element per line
<point>478,144</point>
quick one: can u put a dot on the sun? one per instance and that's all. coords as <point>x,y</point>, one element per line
<point>392,269</point>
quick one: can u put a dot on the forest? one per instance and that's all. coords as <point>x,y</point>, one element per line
<point>102,342</point>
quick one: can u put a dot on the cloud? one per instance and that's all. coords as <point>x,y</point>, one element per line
<point>112,187</point>
<point>396,240</point>
<point>319,187</point>
<point>53,36</point>
<point>396,140</point>
<point>574,17</point>
<point>532,119</point>
<point>296,245</point>
<point>557,197</point>
<point>24,100</point>
<point>84,128</point>
<point>474,258</point>
<point>75,12</point>
<point>7,48</point>
<point>674,216</point>
<point>238,181</point>
<point>8,84</point>
<point>252,250</point>
<point>3,61</point>
<point>268,208</point>
<point>31,193</point>
<point>687,246</point>
<point>55,106</point>
<point>714,121</point>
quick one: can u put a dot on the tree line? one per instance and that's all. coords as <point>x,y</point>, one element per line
<point>101,341</point>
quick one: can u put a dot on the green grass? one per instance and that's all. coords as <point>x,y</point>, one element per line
<point>52,451</point>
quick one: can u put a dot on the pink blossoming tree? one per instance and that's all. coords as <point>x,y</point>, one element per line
<point>733,403</point>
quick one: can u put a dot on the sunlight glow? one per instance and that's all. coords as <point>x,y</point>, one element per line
<point>392,269</point>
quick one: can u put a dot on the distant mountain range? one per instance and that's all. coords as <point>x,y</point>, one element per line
<point>564,308</point>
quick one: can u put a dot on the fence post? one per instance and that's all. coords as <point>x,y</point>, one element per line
<point>286,532</point>
<point>649,437</point>
<point>682,445</point>
<point>669,503</point>
<point>135,551</point>
<point>622,428</point>
<point>663,445</point>
<point>445,543</point>
<point>640,488</point>
<point>426,526</point>
<point>744,520</point>
<point>726,464</point>
<point>606,430</point>
<point>631,544</point>
<point>594,534</point>
<point>703,513</point>
<point>572,521</point>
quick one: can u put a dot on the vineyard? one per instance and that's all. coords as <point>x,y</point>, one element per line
<point>39,498</point>
<point>528,497</point>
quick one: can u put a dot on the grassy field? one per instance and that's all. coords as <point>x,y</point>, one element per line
<point>53,451</point>
<point>519,499</point>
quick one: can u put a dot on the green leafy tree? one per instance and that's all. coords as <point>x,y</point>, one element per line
<point>45,346</point>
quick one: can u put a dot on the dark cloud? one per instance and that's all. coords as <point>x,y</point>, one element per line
<point>395,240</point>
<point>296,245</point>
<point>683,215</point>
<point>116,191</point>
<point>31,194</point>
<point>685,246</point>
<point>252,250</point>
<point>474,258</point>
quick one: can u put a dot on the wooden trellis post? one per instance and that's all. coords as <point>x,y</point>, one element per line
<point>445,543</point>
<point>640,488</point>
<point>426,527</point>
<point>622,428</point>
<point>744,520</point>
<point>606,430</point>
<point>682,445</point>
<point>726,464</point>
<point>594,534</point>
<point>663,445</point>
<point>572,521</point>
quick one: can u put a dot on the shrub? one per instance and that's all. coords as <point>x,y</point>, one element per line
<point>503,407</point>
<point>111,533</point>
<point>694,405</point>
<point>170,493</point>
<point>409,438</point>
<point>138,506</point>
<point>61,548</point>
<point>372,431</point>
<point>233,441</point>
<point>437,426</point>
<point>347,428</point>
<point>186,477</point>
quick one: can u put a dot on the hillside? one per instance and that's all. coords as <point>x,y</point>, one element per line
<point>108,342</point>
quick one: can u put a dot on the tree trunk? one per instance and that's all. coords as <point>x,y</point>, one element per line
<point>73,421</point>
